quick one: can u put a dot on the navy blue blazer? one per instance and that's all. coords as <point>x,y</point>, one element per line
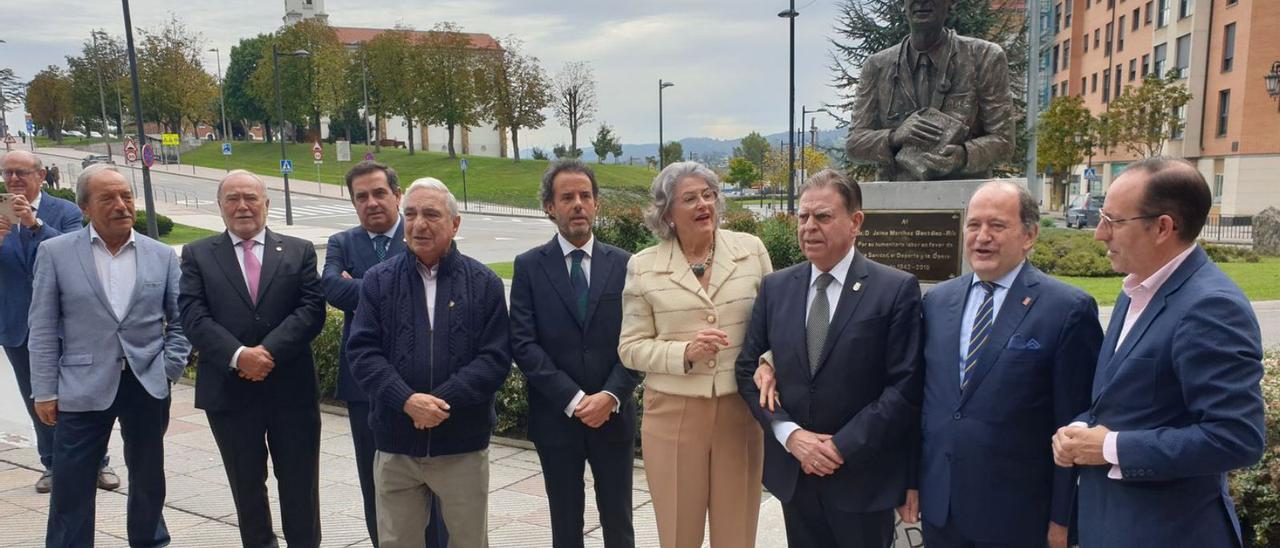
<point>1183,391</point>
<point>986,459</point>
<point>560,354</point>
<point>866,391</point>
<point>18,263</point>
<point>351,251</point>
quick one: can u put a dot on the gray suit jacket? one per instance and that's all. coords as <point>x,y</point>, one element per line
<point>77,340</point>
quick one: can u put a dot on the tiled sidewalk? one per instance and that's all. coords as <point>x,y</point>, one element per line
<point>200,512</point>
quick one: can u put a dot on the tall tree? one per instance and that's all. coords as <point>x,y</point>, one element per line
<point>672,152</point>
<point>12,91</point>
<point>102,62</point>
<point>1148,115</point>
<point>753,147</point>
<point>454,80</point>
<point>606,142</point>
<point>575,100</point>
<point>393,66</point>
<point>742,171</point>
<point>243,105</point>
<point>49,101</point>
<point>310,87</point>
<point>172,81</point>
<point>519,92</point>
<point>1067,134</point>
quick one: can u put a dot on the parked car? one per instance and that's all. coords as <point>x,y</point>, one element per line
<point>72,133</point>
<point>1083,210</point>
<point>95,159</point>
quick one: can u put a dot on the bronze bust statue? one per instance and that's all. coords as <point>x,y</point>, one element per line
<point>935,106</point>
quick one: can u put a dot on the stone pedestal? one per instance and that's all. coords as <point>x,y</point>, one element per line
<point>918,226</point>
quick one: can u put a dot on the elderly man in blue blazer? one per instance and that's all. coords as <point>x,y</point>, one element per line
<point>106,344</point>
<point>1008,359</point>
<point>1176,402</point>
<point>40,217</point>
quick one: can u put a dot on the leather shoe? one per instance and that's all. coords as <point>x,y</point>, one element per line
<point>45,483</point>
<point>107,479</point>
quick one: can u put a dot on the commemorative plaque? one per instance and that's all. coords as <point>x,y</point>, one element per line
<point>925,243</point>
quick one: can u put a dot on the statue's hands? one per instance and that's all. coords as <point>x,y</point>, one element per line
<point>915,130</point>
<point>951,159</point>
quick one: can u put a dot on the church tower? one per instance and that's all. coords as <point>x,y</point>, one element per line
<point>297,10</point>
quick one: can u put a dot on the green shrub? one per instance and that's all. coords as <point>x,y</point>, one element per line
<point>1044,257</point>
<point>1229,253</point>
<point>779,236</point>
<point>622,225</point>
<point>740,220</point>
<point>163,224</point>
<point>512,405</point>
<point>325,350</point>
<point>64,193</point>
<point>1046,222</point>
<point>1256,489</point>
<point>1083,263</point>
<point>1071,253</point>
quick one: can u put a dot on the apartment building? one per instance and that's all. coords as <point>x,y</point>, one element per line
<point>1222,50</point>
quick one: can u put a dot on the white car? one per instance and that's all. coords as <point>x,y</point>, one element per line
<point>72,133</point>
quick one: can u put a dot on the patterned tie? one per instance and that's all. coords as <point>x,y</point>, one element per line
<point>982,321</point>
<point>819,321</point>
<point>380,243</point>
<point>252,269</point>
<point>578,279</point>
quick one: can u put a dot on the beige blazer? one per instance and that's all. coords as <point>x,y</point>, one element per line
<point>664,306</point>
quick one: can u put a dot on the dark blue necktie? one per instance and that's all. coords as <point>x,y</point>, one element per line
<point>982,321</point>
<point>380,244</point>
<point>578,279</point>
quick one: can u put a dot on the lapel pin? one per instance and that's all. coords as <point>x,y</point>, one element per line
<point>857,286</point>
<point>279,248</point>
<point>1026,301</point>
<point>450,304</point>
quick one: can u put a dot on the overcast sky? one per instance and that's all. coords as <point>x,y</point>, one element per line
<point>728,58</point>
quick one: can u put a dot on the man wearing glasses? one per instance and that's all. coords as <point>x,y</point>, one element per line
<point>39,218</point>
<point>1176,402</point>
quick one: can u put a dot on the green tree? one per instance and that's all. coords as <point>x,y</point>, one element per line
<point>742,171</point>
<point>605,143</point>
<point>520,91</point>
<point>1146,116</point>
<point>393,64</point>
<point>12,91</point>
<point>575,98</point>
<point>101,55</point>
<point>310,87</point>
<point>453,78</point>
<point>49,101</point>
<point>672,152</point>
<point>243,106</point>
<point>560,151</point>
<point>173,84</point>
<point>1067,134</point>
<point>753,147</point>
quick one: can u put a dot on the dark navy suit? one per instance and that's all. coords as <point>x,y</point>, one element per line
<point>352,251</point>
<point>560,354</point>
<point>987,473</point>
<point>865,393</point>
<point>1183,393</point>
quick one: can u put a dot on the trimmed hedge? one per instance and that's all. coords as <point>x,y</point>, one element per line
<point>1256,489</point>
<point>1071,253</point>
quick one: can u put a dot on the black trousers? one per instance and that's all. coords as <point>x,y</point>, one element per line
<point>290,432</point>
<point>950,537</point>
<point>362,438</point>
<point>79,445</point>
<point>563,465</point>
<point>814,519</point>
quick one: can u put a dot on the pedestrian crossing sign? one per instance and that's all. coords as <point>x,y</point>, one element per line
<point>286,166</point>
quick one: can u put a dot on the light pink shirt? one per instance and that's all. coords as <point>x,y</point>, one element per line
<point>1140,293</point>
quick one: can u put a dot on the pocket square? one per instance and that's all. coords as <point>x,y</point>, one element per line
<point>1018,342</point>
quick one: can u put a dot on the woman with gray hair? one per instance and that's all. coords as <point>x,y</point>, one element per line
<point>685,310</point>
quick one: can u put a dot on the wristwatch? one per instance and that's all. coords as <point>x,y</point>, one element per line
<point>39,225</point>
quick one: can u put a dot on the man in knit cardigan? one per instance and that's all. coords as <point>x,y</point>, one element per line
<point>429,345</point>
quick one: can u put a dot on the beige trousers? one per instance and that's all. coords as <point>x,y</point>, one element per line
<point>702,456</point>
<point>403,486</point>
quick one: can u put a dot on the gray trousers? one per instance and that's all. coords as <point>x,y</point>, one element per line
<point>404,487</point>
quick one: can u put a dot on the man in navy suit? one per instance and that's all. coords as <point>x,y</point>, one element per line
<point>40,217</point>
<point>845,333</point>
<point>1008,359</point>
<point>1176,402</point>
<point>375,193</point>
<point>566,313</point>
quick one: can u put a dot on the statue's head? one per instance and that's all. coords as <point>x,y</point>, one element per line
<point>926,13</point>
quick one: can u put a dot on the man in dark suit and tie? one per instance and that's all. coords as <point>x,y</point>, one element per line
<point>845,333</point>
<point>1176,401</point>
<point>566,313</point>
<point>375,193</point>
<point>251,304</point>
<point>1008,360</point>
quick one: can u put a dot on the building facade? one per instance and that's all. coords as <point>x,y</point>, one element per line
<point>1221,49</point>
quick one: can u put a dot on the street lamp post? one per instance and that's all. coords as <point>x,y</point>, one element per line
<point>791,14</point>
<point>284,155</point>
<point>804,111</point>
<point>4,115</point>
<point>147,195</point>
<point>662,159</point>
<point>222,97</point>
<point>102,98</point>
<point>1273,82</point>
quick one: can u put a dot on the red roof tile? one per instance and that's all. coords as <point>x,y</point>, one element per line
<point>351,35</point>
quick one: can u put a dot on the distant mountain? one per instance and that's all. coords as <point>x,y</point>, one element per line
<point>713,151</point>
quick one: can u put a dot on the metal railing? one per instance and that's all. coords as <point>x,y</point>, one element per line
<point>1229,229</point>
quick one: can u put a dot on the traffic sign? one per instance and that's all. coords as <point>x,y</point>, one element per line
<point>286,166</point>
<point>130,151</point>
<point>148,156</point>
<point>10,139</point>
<point>170,139</point>
<point>31,126</point>
<point>226,149</point>
<point>464,164</point>
<point>1090,173</point>
<point>317,152</point>
<point>368,156</point>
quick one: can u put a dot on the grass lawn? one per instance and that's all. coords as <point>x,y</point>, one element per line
<point>183,234</point>
<point>69,142</point>
<point>1260,281</point>
<point>496,180</point>
<point>504,270</point>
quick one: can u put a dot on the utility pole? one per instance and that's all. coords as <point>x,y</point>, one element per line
<point>662,159</point>
<point>1033,99</point>
<point>222,97</point>
<point>148,197</point>
<point>102,98</point>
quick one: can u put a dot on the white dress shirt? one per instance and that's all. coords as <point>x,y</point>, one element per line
<point>430,276</point>
<point>567,247</point>
<point>261,239</point>
<point>782,429</point>
<point>390,233</point>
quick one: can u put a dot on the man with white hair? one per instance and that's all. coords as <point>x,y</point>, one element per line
<point>251,304</point>
<point>429,345</point>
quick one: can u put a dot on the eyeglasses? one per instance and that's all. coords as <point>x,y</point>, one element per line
<point>20,173</point>
<point>1104,218</point>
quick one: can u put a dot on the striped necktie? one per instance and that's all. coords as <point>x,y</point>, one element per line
<point>982,321</point>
